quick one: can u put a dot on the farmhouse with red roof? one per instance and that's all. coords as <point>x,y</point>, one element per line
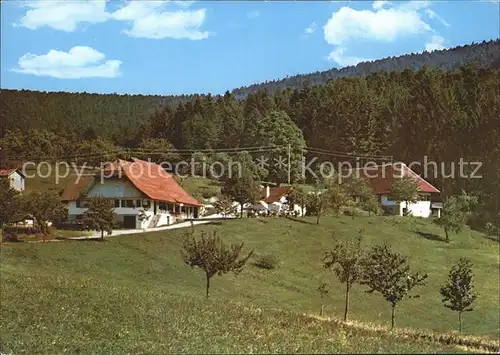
<point>382,178</point>
<point>136,188</point>
<point>277,199</point>
<point>16,178</point>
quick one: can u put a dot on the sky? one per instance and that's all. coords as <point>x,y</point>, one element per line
<point>186,47</point>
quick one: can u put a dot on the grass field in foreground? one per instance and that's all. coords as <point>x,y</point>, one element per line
<point>134,294</point>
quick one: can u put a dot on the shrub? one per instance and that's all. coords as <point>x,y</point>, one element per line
<point>491,230</point>
<point>267,262</point>
<point>21,230</point>
<point>9,236</point>
<point>209,192</point>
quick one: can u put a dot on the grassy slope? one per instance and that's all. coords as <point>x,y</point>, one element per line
<point>134,294</point>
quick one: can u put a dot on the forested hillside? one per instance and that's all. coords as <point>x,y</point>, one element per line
<point>481,54</point>
<point>427,115</point>
<point>122,114</point>
<point>107,114</point>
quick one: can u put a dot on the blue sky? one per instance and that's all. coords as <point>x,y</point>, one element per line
<point>181,47</point>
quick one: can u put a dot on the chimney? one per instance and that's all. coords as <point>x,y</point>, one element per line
<point>268,192</point>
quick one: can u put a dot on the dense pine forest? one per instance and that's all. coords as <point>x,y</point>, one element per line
<point>430,114</point>
<point>485,54</point>
<point>116,114</point>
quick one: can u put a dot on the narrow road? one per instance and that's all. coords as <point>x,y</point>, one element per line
<point>201,220</point>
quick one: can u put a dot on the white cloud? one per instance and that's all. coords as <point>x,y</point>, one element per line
<point>79,62</point>
<point>253,14</point>
<point>63,15</point>
<point>150,20</point>
<point>432,14</point>
<point>380,25</point>
<point>311,29</point>
<point>378,4</point>
<point>436,43</point>
<point>338,57</point>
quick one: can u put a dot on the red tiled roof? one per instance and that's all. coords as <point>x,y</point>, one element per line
<point>149,178</point>
<point>275,194</point>
<point>382,177</point>
<point>156,183</point>
<point>7,172</point>
<point>74,188</point>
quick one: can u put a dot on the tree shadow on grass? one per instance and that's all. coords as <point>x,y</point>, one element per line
<point>493,238</point>
<point>91,239</point>
<point>213,223</point>
<point>300,220</point>
<point>431,236</point>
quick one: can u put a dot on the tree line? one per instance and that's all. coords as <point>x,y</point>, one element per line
<point>484,54</point>
<point>442,117</point>
<point>120,116</point>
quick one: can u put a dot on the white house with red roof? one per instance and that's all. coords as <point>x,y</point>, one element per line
<point>136,189</point>
<point>16,178</point>
<point>277,199</point>
<point>382,178</point>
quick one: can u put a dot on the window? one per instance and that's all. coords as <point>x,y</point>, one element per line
<point>138,203</point>
<point>146,203</point>
<point>162,206</point>
<point>117,203</point>
<point>128,203</point>
<point>82,204</point>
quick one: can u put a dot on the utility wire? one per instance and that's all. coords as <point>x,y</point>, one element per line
<point>187,152</point>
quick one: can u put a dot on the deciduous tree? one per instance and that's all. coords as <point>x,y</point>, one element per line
<point>458,292</point>
<point>388,273</point>
<point>45,206</point>
<point>360,188</point>
<point>10,203</point>
<point>210,254</point>
<point>277,129</point>
<point>100,215</point>
<point>345,259</point>
<point>242,190</point>
<point>405,190</point>
<point>224,205</point>
<point>456,210</point>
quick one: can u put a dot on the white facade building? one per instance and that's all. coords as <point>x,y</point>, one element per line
<point>382,177</point>
<point>16,178</point>
<point>276,199</point>
<point>143,194</point>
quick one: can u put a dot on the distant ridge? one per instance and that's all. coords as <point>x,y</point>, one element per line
<point>484,54</point>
